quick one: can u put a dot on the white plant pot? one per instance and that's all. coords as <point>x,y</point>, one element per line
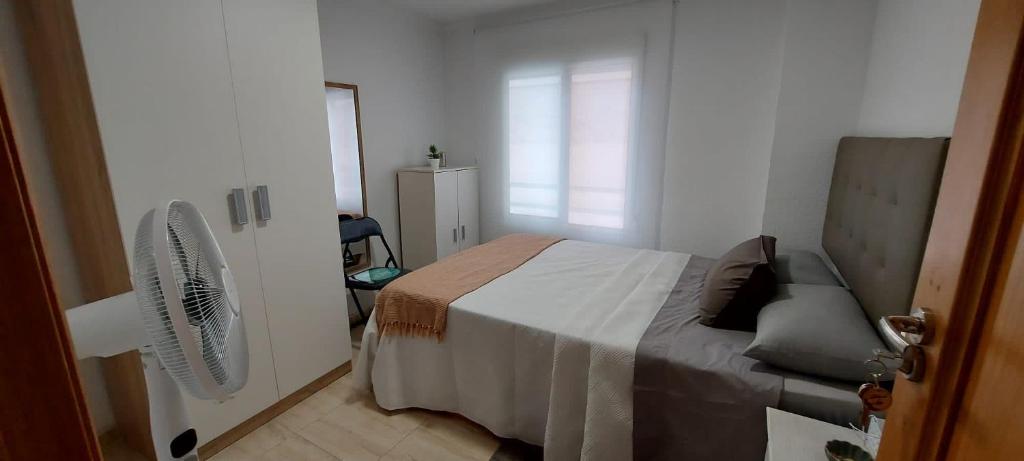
<point>435,163</point>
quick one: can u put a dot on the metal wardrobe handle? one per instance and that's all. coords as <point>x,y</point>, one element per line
<point>463,232</point>
<point>240,211</point>
<point>455,235</point>
<point>261,197</point>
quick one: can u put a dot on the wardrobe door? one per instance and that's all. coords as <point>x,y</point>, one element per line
<point>161,87</point>
<point>469,209</point>
<point>274,49</point>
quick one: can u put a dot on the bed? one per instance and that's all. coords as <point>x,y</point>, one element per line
<point>595,352</point>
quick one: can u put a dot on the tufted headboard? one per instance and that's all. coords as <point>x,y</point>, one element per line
<point>879,212</point>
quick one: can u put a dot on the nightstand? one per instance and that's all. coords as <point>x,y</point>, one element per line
<point>799,438</point>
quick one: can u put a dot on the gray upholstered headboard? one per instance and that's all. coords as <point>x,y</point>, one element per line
<point>879,212</point>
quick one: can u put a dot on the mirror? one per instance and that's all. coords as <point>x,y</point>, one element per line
<point>347,157</point>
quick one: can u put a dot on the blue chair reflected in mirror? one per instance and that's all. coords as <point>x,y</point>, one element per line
<point>373,278</point>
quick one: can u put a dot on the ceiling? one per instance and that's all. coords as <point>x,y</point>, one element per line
<point>454,10</point>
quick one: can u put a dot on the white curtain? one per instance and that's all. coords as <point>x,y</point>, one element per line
<point>571,115</point>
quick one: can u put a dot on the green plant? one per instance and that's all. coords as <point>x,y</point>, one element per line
<point>432,152</point>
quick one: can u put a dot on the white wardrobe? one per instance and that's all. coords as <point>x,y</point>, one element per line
<point>197,98</point>
<point>438,211</point>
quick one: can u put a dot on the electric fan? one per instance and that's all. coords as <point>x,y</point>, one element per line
<point>183,316</point>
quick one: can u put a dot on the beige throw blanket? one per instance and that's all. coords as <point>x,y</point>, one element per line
<point>417,304</point>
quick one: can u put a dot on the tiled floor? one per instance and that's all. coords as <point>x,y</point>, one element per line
<point>341,423</point>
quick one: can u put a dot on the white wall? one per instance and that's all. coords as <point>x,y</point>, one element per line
<point>886,68</point>
<point>726,78</point>
<point>916,69</point>
<point>725,84</point>
<point>779,82</point>
<point>32,146</point>
<point>460,90</point>
<point>479,56</point>
<point>823,67</point>
<point>760,92</point>
<point>396,58</point>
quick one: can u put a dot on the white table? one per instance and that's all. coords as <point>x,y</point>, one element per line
<point>799,438</point>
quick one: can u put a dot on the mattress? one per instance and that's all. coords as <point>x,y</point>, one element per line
<point>835,402</point>
<point>543,354</point>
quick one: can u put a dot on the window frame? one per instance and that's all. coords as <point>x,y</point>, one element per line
<point>565,70</point>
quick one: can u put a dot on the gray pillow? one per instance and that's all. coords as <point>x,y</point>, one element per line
<point>803,267</point>
<point>738,284</point>
<point>819,330</point>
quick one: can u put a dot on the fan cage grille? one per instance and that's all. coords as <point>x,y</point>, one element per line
<point>202,293</point>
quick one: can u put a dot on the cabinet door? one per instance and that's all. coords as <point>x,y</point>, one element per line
<point>274,49</point>
<point>446,212</point>
<point>469,209</point>
<point>161,86</point>
<point>416,208</point>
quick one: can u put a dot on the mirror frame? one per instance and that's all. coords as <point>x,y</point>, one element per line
<point>362,165</point>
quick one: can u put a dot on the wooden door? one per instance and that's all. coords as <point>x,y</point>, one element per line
<point>163,98</point>
<point>967,406</point>
<point>446,213</point>
<point>990,423</point>
<point>276,67</point>
<point>469,209</point>
<point>44,413</point>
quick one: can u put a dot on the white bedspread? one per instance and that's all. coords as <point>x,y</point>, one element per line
<point>543,354</point>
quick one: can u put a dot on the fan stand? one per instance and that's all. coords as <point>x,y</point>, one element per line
<point>114,325</point>
<point>155,321</point>
<point>173,435</point>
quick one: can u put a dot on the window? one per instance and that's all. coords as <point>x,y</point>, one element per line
<point>568,148</point>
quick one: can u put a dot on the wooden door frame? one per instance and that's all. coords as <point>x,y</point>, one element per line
<point>44,414</point>
<point>359,134</point>
<point>49,35</point>
<point>965,254</point>
<point>362,164</point>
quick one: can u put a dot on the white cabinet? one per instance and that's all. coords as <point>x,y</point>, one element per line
<point>439,213</point>
<point>195,98</point>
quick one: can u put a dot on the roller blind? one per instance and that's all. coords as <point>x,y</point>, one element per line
<point>571,119</point>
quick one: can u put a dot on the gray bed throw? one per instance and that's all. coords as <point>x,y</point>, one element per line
<point>695,396</point>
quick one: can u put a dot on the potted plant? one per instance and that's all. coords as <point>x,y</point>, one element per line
<point>434,157</point>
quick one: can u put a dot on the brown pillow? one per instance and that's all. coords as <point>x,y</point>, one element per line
<point>739,284</point>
